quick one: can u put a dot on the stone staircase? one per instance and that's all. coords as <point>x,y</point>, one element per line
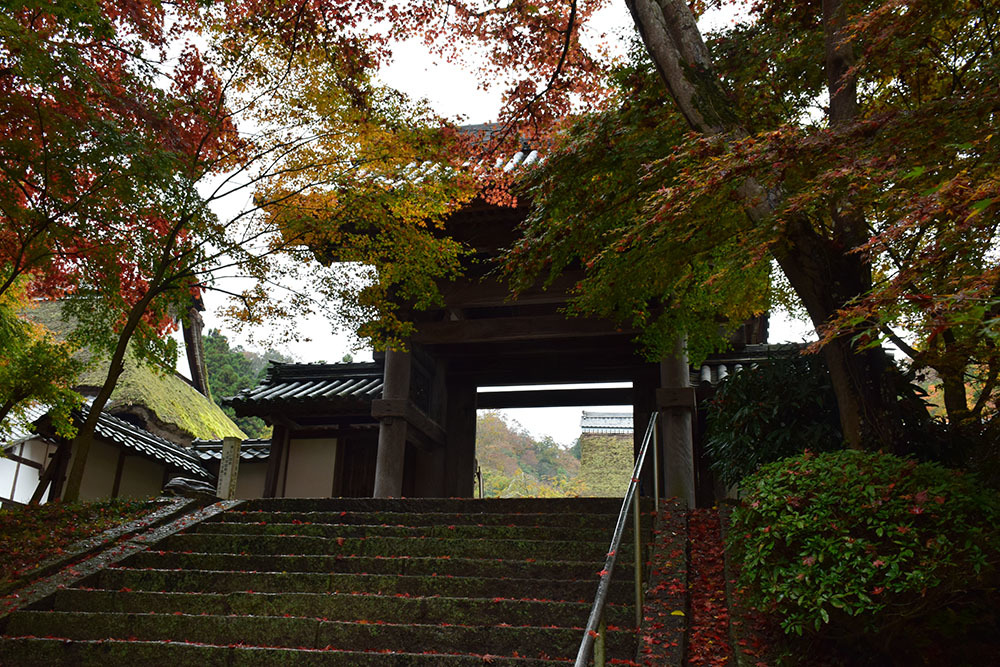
<point>345,582</point>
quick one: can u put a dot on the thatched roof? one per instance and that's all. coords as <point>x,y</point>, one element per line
<point>162,399</point>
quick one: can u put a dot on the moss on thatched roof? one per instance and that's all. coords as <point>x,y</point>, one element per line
<point>169,397</point>
<point>143,389</point>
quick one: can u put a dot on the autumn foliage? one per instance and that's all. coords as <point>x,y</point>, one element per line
<point>708,636</point>
<point>851,148</point>
<point>31,536</point>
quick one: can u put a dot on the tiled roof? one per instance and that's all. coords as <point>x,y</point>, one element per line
<point>303,384</point>
<point>146,443</point>
<point>719,367</point>
<point>20,429</point>
<point>250,450</point>
<point>606,423</point>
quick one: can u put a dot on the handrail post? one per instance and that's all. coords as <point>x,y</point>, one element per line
<point>599,643</point>
<point>636,528</point>
<point>596,621</point>
<point>656,464</point>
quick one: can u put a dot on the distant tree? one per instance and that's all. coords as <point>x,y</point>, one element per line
<point>577,449</point>
<point>230,370</point>
<point>515,463</point>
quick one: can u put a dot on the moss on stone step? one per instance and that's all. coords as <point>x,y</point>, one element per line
<point>419,565</point>
<point>36,652</point>
<point>561,519</point>
<point>272,631</point>
<point>342,607</point>
<point>391,546</point>
<point>609,506</point>
<point>199,629</point>
<point>309,582</point>
<point>345,582</point>
<point>452,531</point>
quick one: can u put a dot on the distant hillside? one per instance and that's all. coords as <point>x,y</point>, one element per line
<point>515,464</point>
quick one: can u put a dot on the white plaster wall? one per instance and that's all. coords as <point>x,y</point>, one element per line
<point>27,477</point>
<point>99,475</point>
<point>310,468</point>
<point>27,480</point>
<point>141,478</point>
<point>250,480</point>
<point>38,450</point>
<point>7,470</point>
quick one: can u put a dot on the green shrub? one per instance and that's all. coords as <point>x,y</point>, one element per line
<point>863,544</point>
<point>768,412</point>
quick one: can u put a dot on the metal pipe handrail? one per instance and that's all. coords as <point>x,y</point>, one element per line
<point>597,611</point>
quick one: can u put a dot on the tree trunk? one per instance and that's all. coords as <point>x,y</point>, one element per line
<point>821,270</point>
<point>826,279</point>
<point>85,435</point>
<point>157,284</point>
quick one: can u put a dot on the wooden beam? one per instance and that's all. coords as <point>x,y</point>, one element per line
<point>676,426</point>
<point>460,452</point>
<point>414,416</point>
<point>119,468</point>
<point>323,423</point>
<point>555,370</point>
<point>59,481</point>
<point>307,432</point>
<point>552,398</point>
<point>643,407</point>
<point>49,474</point>
<point>276,412</point>
<point>501,329</point>
<point>23,461</point>
<point>471,293</point>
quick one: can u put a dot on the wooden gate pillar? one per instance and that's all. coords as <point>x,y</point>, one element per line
<point>676,401</point>
<point>460,445</point>
<point>392,431</point>
<point>429,468</point>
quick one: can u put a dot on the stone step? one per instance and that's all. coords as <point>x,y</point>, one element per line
<point>419,565</point>
<point>390,546</point>
<point>37,652</point>
<point>448,531</point>
<point>609,506</point>
<point>400,608</point>
<point>354,581</point>
<point>212,581</point>
<point>604,522</point>
<point>272,631</point>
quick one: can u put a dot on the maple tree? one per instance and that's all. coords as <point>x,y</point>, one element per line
<point>108,198</point>
<point>790,136</point>
<point>853,147</point>
<point>93,150</point>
